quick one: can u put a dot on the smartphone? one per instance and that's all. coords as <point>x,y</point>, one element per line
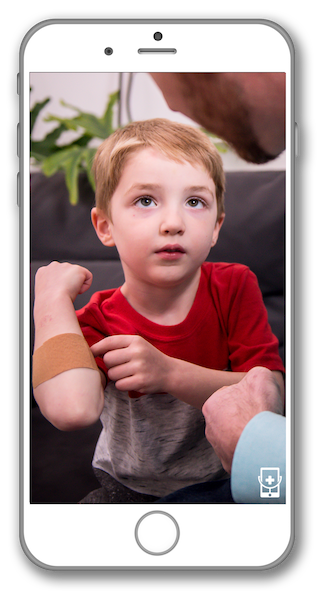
<point>79,81</point>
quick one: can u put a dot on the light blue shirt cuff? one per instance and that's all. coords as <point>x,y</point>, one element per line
<point>258,469</point>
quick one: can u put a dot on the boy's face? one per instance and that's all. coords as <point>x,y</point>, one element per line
<point>163,219</point>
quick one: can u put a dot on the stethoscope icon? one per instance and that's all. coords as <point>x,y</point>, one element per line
<point>267,477</point>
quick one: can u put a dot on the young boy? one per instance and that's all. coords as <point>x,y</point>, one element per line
<point>175,332</point>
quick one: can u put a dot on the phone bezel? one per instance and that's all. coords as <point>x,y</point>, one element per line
<point>42,544</point>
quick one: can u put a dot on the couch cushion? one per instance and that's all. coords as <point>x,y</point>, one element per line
<point>253,231</point>
<point>60,231</point>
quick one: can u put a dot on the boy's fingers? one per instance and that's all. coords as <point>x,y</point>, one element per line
<point>120,356</point>
<point>87,282</point>
<point>119,372</point>
<point>112,342</point>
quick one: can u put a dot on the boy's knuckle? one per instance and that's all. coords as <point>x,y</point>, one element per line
<point>136,342</point>
<point>141,383</point>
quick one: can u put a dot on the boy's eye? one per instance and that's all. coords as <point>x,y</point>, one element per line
<point>195,203</point>
<point>145,201</point>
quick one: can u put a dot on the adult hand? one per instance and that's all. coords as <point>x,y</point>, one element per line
<point>229,410</point>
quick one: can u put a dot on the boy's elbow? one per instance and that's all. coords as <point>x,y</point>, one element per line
<point>73,421</point>
<point>72,416</point>
<point>69,408</point>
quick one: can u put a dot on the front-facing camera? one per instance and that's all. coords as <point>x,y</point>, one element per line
<point>108,51</point>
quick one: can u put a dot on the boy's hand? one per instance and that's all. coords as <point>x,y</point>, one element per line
<point>133,363</point>
<point>57,278</point>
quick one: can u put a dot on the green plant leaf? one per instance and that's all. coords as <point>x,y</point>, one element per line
<point>71,168</point>
<point>221,145</point>
<point>57,161</point>
<point>72,161</point>
<point>107,118</point>
<point>90,123</point>
<point>47,146</point>
<point>35,112</point>
<point>88,157</point>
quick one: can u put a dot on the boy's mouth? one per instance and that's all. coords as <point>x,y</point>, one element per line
<point>171,249</point>
<point>171,252</point>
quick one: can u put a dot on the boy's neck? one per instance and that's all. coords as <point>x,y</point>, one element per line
<point>162,305</point>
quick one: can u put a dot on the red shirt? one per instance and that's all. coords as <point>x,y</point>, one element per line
<point>226,328</point>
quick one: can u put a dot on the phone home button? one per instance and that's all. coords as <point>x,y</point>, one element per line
<point>157,532</point>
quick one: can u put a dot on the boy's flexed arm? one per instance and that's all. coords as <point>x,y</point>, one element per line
<point>74,398</point>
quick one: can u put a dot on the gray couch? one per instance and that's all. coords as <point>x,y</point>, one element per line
<point>253,234</point>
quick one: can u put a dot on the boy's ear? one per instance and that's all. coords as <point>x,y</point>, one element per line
<point>217,229</point>
<point>102,225</point>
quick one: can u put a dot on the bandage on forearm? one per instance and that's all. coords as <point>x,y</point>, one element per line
<point>61,353</point>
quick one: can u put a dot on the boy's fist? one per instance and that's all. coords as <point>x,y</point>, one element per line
<point>65,278</point>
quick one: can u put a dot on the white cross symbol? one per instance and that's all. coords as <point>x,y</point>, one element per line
<point>269,480</point>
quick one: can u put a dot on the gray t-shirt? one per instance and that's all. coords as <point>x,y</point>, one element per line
<point>139,448</point>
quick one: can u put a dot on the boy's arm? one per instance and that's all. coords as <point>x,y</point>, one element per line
<point>136,365</point>
<point>194,384</point>
<point>73,399</point>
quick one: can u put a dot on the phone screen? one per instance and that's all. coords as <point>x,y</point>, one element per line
<point>150,447</point>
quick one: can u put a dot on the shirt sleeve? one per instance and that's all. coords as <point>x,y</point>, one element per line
<point>258,468</point>
<point>250,338</point>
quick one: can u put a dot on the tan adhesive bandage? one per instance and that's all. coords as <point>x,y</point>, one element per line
<point>61,353</point>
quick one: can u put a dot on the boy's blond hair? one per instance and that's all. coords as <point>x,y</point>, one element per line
<point>176,141</point>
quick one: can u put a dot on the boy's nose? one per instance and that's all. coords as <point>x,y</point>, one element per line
<point>172,224</point>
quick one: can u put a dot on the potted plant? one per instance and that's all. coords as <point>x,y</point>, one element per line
<point>77,156</point>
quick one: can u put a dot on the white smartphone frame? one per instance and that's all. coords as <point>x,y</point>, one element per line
<point>211,536</point>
